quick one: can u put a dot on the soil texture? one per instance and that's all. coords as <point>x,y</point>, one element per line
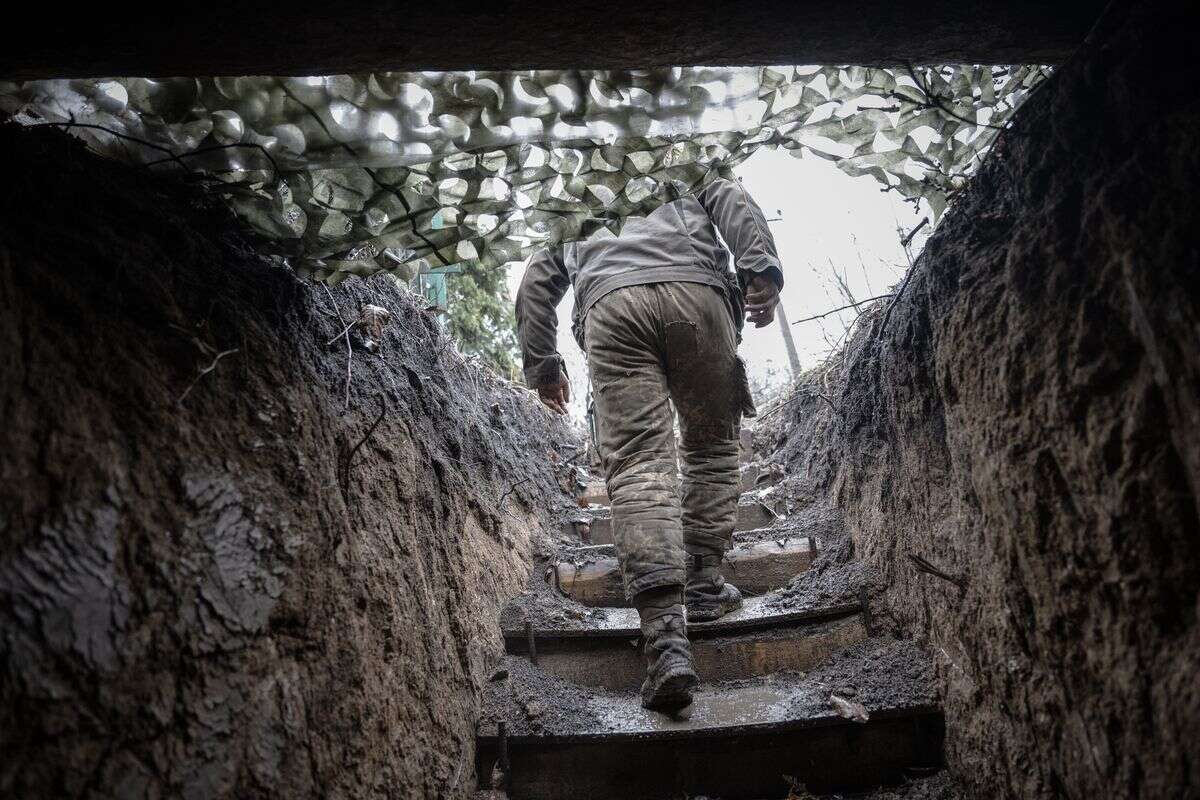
<point>1014,440</point>
<point>237,559</point>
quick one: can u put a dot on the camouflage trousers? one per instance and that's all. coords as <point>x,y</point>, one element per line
<point>650,346</point>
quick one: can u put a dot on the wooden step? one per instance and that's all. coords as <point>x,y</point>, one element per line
<point>752,476</point>
<point>595,493</point>
<point>751,513</point>
<point>754,567</point>
<point>753,641</point>
<point>760,476</point>
<point>740,742</point>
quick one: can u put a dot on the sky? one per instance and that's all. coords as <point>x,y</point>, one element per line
<point>826,224</point>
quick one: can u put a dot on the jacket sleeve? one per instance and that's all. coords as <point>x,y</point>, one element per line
<point>542,288</point>
<point>743,226</point>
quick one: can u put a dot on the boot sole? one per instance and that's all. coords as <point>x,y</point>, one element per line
<point>674,693</point>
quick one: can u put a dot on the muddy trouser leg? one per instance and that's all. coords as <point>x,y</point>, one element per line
<point>706,381</point>
<point>627,356</point>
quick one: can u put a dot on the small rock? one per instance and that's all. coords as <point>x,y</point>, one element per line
<point>534,709</point>
<point>499,674</point>
<point>850,709</point>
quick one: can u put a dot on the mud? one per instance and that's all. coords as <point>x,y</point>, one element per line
<point>1025,419</point>
<point>249,588</point>
<point>531,702</point>
<point>798,518</point>
<point>883,674</point>
<point>941,786</point>
<point>835,576</point>
<point>938,787</point>
<point>547,610</point>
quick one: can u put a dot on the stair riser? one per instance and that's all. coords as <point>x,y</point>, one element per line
<point>749,517</point>
<point>745,765</point>
<point>616,664</point>
<point>752,477</point>
<point>746,446</point>
<point>754,568</point>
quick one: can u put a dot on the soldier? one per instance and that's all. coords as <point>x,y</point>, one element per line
<point>659,313</point>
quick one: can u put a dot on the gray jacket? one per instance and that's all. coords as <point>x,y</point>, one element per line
<point>676,242</point>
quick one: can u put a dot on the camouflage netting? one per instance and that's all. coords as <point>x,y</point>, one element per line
<point>352,174</point>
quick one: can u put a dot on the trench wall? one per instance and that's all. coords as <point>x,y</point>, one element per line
<point>1026,418</point>
<point>205,593</point>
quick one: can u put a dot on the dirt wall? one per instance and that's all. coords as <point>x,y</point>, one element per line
<point>1026,418</point>
<point>208,591</point>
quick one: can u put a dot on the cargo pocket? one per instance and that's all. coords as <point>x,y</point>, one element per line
<point>683,346</point>
<point>747,401</point>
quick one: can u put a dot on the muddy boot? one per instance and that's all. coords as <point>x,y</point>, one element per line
<point>708,596</point>
<point>670,673</point>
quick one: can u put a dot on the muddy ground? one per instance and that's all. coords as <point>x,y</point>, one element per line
<point>881,673</point>
<point>1025,418</point>
<point>217,576</point>
<point>834,578</point>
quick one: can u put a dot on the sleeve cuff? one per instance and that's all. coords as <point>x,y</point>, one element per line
<point>765,264</point>
<point>544,371</point>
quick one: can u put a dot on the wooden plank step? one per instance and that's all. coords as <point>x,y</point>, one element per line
<point>754,567</point>
<point>758,613</point>
<point>752,476</point>
<point>739,743</point>
<point>607,662</point>
<point>746,445</point>
<point>751,514</point>
<point>760,476</point>
<point>595,493</point>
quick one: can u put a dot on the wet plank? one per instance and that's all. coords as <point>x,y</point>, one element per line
<point>616,663</point>
<point>754,567</point>
<point>750,515</point>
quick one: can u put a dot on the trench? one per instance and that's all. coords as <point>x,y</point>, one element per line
<point>243,554</point>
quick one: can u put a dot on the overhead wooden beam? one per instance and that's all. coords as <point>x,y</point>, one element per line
<point>317,38</point>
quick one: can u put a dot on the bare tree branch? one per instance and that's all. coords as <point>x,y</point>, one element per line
<point>842,308</point>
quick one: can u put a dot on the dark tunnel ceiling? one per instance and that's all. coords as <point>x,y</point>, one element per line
<point>305,38</point>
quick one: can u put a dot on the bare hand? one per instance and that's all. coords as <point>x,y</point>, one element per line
<point>556,395</point>
<point>762,295</point>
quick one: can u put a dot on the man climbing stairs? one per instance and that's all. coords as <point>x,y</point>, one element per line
<point>802,688</point>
